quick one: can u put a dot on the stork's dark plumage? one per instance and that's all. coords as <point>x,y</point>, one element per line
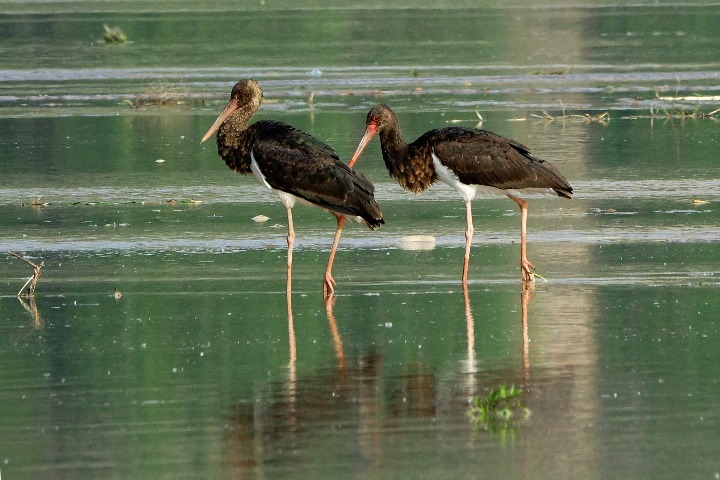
<point>468,160</point>
<point>294,164</point>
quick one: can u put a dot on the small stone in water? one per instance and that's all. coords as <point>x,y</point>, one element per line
<point>260,218</point>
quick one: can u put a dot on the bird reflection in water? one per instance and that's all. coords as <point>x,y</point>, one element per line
<point>337,340</point>
<point>286,415</point>
<point>334,331</point>
<point>370,401</point>
<point>292,343</point>
<point>470,366</point>
<point>525,296</point>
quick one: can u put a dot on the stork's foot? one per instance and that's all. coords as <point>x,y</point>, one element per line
<point>329,286</point>
<point>527,274</point>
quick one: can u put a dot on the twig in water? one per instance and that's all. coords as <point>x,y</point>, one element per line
<point>601,118</point>
<point>33,310</point>
<point>32,281</point>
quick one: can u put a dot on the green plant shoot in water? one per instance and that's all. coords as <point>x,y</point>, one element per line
<point>499,410</point>
<point>114,35</point>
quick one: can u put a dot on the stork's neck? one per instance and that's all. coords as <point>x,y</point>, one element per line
<point>394,149</point>
<point>241,117</point>
<point>411,165</point>
<point>235,140</point>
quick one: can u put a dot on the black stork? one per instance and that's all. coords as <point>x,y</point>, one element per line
<point>295,165</point>
<point>467,159</point>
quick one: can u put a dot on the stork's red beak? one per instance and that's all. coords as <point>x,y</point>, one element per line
<point>230,108</point>
<point>370,132</point>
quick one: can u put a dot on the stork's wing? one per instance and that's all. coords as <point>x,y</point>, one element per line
<point>297,163</point>
<point>480,157</point>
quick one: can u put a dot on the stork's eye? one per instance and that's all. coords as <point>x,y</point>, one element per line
<point>374,120</point>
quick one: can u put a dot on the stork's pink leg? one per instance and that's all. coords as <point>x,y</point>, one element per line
<point>291,243</point>
<point>468,240</point>
<point>525,264</point>
<point>329,283</point>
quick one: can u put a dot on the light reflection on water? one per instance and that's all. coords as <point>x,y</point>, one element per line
<point>592,91</point>
<point>250,192</point>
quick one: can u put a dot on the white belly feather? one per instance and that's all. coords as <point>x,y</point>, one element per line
<point>469,192</point>
<point>287,199</point>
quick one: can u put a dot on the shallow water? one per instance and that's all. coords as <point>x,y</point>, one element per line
<point>202,368</point>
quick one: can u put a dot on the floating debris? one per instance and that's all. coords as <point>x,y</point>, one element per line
<point>679,111</point>
<point>190,201</point>
<point>114,35</point>
<point>160,160</point>
<point>260,218</point>
<point>161,93</point>
<point>172,201</point>
<point>691,98</point>
<point>417,242</point>
<point>117,294</point>
<point>552,72</point>
<point>697,201</point>
<point>479,116</point>
<point>38,202</point>
<point>601,118</point>
<point>33,280</point>
<point>610,211</point>
<point>92,203</point>
<point>683,113</point>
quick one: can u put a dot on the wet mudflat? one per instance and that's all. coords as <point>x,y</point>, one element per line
<point>202,367</point>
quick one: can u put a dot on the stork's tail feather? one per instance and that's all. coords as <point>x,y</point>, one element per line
<point>566,192</point>
<point>374,222</point>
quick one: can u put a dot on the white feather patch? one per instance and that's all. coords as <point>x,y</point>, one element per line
<point>288,199</point>
<point>469,192</point>
<point>256,171</point>
<point>446,175</point>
